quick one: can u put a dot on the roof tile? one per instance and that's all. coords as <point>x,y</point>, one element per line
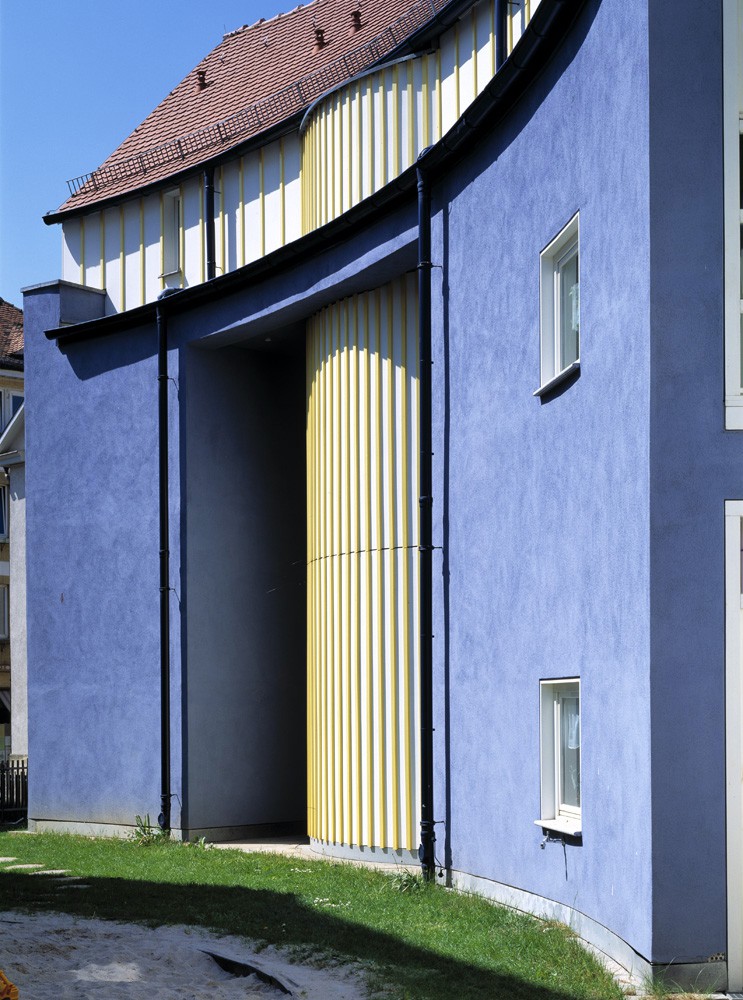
<point>11,335</point>
<point>250,64</point>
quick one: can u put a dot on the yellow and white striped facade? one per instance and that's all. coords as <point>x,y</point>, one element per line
<point>359,138</point>
<point>365,134</point>
<point>122,249</point>
<point>362,570</point>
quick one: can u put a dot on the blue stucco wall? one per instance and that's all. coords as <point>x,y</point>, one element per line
<point>94,723</point>
<point>245,555</point>
<point>92,551</point>
<point>583,536</point>
<point>544,507</point>
<point>580,535</point>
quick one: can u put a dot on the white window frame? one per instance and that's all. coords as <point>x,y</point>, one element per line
<point>551,261</point>
<point>6,405</point>
<point>555,815</point>
<point>732,128</point>
<point>172,224</point>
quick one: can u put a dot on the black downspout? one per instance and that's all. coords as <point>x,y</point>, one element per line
<point>211,253</point>
<point>501,8</point>
<point>426,851</point>
<point>162,426</point>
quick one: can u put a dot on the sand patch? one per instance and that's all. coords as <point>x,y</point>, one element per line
<point>58,957</point>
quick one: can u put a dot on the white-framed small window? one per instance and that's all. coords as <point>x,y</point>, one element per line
<point>10,404</point>
<point>560,756</point>
<point>559,307</point>
<point>171,224</point>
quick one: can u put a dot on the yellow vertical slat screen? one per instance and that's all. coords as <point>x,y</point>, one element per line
<point>403,110</point>
<point>362,540</point>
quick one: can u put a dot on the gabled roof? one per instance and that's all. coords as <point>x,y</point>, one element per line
<point>214,108</point>
<point>11,336</point>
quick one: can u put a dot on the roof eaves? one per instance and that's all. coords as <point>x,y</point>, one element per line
<point>252,142</point>
<point>11,361</point>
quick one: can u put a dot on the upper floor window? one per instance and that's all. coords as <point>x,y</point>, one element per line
<point>560,307</point>
<point>171,213</point>
<point>10,404</point>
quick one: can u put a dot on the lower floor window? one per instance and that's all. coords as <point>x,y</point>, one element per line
<point>560,756</point>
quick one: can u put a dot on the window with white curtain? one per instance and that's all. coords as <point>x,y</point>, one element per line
<point>560,751</point>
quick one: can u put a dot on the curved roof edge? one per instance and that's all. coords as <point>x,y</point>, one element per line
<point>534,50</point>
<point>418,40</point>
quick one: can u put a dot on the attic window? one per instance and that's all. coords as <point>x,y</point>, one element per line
<point>320,42</point>
<point>171,236</point>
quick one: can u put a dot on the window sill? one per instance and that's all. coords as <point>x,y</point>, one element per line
<point>734,413</point>
<point>557,379</point>
<point>561,824</point>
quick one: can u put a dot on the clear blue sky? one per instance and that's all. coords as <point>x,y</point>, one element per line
<point>76,77</point>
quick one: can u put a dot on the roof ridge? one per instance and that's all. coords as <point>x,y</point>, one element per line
<point>266,20</point>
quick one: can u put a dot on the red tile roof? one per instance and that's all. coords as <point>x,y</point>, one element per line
<point>249,66</point>
<point>11,335</point>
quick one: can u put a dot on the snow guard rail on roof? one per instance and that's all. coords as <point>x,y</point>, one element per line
<point>269,110</point>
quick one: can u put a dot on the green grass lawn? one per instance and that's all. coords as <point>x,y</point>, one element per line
<point>417,942</point>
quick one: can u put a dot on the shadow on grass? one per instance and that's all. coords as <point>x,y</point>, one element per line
<point>277,918</point>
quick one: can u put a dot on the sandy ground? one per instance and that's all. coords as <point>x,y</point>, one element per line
<point>58,957</point>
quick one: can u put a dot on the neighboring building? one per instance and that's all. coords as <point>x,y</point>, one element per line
<point>13,717</point>
<point>586,494</point>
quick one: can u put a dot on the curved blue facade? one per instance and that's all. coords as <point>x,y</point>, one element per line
<point>546,503</point>
<point>579,534</point>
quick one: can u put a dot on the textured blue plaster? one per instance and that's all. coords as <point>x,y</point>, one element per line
<point>93,639</point>
<point>93,536</point>
<point>543,508</point>
<point>580,536</point>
